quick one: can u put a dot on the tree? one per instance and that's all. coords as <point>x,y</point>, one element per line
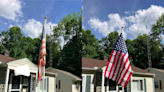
<point>13,42</point>
<point>109,42</point>
<point>91,47</point>
<point>69,58</point>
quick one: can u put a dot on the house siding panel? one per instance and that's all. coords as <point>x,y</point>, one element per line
<point>158,76</point>
<point>65,82</point>
<point>51,84</point>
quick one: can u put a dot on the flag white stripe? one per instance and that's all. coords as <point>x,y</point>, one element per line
<point>118,53</point>
<point>110,64</point>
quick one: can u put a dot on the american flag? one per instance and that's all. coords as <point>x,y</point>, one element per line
<point>42,55</point>
<point>118,68</point>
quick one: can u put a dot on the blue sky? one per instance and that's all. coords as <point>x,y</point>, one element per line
<point>29,14</point>
<point>105,16</point>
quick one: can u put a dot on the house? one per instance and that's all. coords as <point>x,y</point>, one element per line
<point>9,82</point>
<point>66,82</point>
<point>93,79</point>
<point>158,80</point>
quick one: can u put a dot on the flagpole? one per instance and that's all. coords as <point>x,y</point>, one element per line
<point>122,34</point>
<point>43,80</point>
<point>122,30</point>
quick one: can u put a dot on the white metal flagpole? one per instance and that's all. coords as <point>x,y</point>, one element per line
<point>43,80</point>
<point>122,30</point>
<point>122,34</point>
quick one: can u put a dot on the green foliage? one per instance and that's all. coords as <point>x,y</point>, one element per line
<point>109,42</point>
<point>91,47</point>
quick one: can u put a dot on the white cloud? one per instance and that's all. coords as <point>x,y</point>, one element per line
<point>83,27</point>
<point>106,27</point>
<point>139,27</point>
<point>33,28</point>
<point>10,25</point>
<point>132,24</point>
<point>11,9</point>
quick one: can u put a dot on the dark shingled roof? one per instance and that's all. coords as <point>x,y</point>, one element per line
<point>91,63</point>
<point>4,58</point>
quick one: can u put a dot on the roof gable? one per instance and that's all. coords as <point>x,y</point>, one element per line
<point>65,72</point>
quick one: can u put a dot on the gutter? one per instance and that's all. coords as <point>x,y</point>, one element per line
<point>86,68</point>
<point>144,74</point>
<point>52,73</point>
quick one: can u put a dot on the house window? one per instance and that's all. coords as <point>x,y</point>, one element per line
<point>137,85</point>
<point>157,84</point>
<point>40,85</point>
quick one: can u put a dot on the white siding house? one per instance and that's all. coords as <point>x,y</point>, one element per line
<point>66,82</point>
<point>9,82</point>
<point>93,79</point>
<point>158,80</point>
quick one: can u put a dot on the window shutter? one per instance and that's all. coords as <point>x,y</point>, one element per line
<point>88,82</point>
<point>59,84</point>
<point>160,83</point>
<point>145,84</point>
<point>47,84</point>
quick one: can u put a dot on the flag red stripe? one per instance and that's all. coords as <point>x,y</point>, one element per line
<point>115,67</point>
<point>43,42</point>
<point>43,47</point>
<point>42,54</point>
<point>120,77</point>
<point>108,62</point>
<point>112,64</point>
<point>123,68</point>
<point>125,74</point>
<point>128,79</point>
<point>120,66</point>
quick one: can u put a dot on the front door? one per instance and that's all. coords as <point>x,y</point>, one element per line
<point>15,83</point>
<point>111,86</point>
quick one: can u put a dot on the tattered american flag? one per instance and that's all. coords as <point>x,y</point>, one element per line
<point>42,55</point>
<point>118,68</point>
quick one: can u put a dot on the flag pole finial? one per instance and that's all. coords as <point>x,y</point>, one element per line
<point>122,30</point>
<point>45,17</point>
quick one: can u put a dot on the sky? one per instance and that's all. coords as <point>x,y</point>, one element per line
<point>105,16</point>
<point>29,15</point>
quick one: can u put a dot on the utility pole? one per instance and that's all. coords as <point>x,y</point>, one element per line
<point>148,49</point>
<point>50,39</point>
<point>148,46</point>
